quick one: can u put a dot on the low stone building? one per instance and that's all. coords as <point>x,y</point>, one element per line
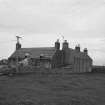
<point>77,60</point>
<point>54,57</point>
<point>50,57</point>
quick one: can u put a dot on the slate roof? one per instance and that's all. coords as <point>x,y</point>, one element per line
<point>34,52</point>
<point>80,54</point>
<point>46,51</point>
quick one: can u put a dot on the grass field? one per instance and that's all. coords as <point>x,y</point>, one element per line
<point>35,89</point>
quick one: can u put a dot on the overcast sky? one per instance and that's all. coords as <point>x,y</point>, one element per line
<point>41,22</point>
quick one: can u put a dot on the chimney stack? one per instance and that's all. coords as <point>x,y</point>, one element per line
<point>65,45</point>
<point>18,45</point>
<point>57,45</point>
<point>85,51</point>
<point>77,48</point>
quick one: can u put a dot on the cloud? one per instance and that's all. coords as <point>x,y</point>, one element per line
<point>43,21</point>
<point>51,16</point>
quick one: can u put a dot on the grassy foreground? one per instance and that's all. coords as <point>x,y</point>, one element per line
<point>35,89</point>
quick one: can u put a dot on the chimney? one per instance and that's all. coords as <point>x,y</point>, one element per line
<point>77,48</point>
<point>57,45</point>
<point>18,46</point>
<point>85,51</point>
<point>65,45</point>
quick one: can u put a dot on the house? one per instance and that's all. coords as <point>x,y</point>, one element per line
<point>51,57</point>
<point>54,57</point>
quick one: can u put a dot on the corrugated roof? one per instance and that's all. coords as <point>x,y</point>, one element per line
<point>34,52</point>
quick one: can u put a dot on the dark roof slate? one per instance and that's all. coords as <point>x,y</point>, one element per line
<point>46,51</point>
<point>34,52</point>
<point>79,54</point>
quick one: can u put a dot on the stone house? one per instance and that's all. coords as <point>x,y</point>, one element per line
<point>54,57</point>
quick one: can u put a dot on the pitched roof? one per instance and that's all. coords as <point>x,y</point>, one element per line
<point>34,52</point>
<point>46,51</point>
<point>79,54</point>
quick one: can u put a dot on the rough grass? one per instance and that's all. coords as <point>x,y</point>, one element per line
<point>35,89</point>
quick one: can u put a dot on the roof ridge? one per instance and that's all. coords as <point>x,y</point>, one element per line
<point>36,47</point>
<point>34,51</point>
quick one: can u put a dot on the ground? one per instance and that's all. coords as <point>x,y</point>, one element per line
<point>36,89</point>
